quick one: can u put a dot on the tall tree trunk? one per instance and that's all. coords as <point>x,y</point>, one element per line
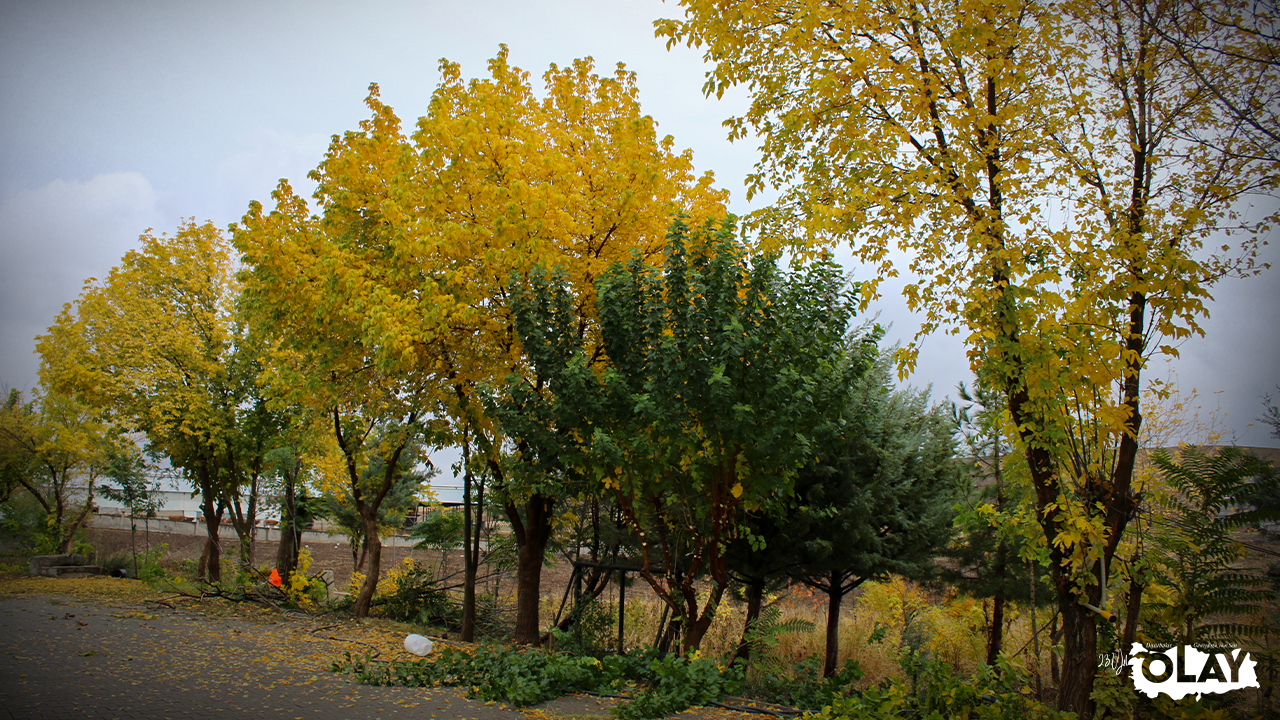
<point>995,637</point>
<point>835,595</point>
<point>373,547</point>
<point>251,520</point>
<point>1132,607</point>
<point>1055,634</point>
<point>532,533</point>
<point>210,568</point>
<point>755,596</point>
<point>287,555</point>
<point>1079,657</point>
<point>133,542</point>
<point>995,634</point>
<point>470,541</point>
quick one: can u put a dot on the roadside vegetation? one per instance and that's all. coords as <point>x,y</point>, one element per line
<point>690,474</point>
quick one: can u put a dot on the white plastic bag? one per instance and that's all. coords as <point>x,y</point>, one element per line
<point>418,645</point>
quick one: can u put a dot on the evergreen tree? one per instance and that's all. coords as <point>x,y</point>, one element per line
<point>878,500</point>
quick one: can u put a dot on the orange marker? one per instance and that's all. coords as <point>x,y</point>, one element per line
<point>275,577</point>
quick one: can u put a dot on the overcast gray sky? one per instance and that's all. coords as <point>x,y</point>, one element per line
<point>120,115</point>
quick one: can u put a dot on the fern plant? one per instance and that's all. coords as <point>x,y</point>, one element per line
<point>767,630</point>
<point>1207,597</point>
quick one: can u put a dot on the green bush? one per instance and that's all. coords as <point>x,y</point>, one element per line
<point>149,567</point>
<point>934,692</point>
<point>593,633</point>
<point>677,683</point>
<point>530,676</point>
<point>419,600</point>
<point>804,687</point>
<point>24,522</point>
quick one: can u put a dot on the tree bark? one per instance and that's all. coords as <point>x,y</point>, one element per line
<point>373,546</point>
<point>697,629</point>
<point>995,635</point>
<point>470,540</point>
<point>1132,608</point>
<point>835,595</point>
<point>755,596</point>
<point>1080,656</point>
<point>532,533</point>
<point>210,567</point>
<point>290,533</point>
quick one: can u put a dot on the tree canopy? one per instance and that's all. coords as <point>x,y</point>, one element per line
<point>1061,189</point>
<point>722,373</point>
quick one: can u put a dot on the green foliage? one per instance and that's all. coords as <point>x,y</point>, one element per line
<point>1196,552</point>
<point>676,683</point>
<point>880,497</point>
<point>592,633</point>
<point>764,633</point>
<point>149,563</point>
<point>53,449</point>
<point>723,372</point>
<point>803,686</point>
<point>935,692</point>
<point>1113,697</point>
<point>136,493</point>
<point>406,484</point>
<point>528,676</point>
<point>418,599</point>
<point>22,520</point>
<point>441,530</point>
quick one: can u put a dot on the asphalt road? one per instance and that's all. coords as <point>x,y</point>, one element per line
<point>66,658</point>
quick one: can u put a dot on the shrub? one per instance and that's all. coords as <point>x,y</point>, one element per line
<point>935,692</point>
<point>529,676</point>
<point>410,594</point>
<point>302,590</point>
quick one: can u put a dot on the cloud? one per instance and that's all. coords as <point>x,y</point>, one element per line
<point>51,240</point>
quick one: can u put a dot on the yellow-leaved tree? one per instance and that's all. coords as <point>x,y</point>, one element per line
<point>55,450</point>
<point>404,275</point>
<point>1056,185</point>
<point>157,346</point>
<point>577,180</point>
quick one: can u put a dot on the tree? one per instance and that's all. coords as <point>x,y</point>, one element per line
<point>721,370</point>
<point>761,559</point>
<point>344,500</point>
<point>55,450</point>
<point>1271,416</point>
<point>878,500</point>
<point>136,493</point>
<point>1232,49</point>
<point>1052,179</point>
<point>441,529</point>
<point>420,235</point>
<point>308,280</point>
<point>155,346</point>
<point>286,464</point>
<point>995,555</point>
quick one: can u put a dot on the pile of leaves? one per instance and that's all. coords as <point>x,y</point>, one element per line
<point>656,686</point>
<point>85,588</point>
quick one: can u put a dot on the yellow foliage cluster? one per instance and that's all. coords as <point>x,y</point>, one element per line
<point>302,586</point>
<point>389,582</point>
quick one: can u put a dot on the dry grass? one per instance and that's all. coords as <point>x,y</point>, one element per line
<point>949,627</point>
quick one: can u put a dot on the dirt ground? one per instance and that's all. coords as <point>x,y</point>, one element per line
<point>333,556</point>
